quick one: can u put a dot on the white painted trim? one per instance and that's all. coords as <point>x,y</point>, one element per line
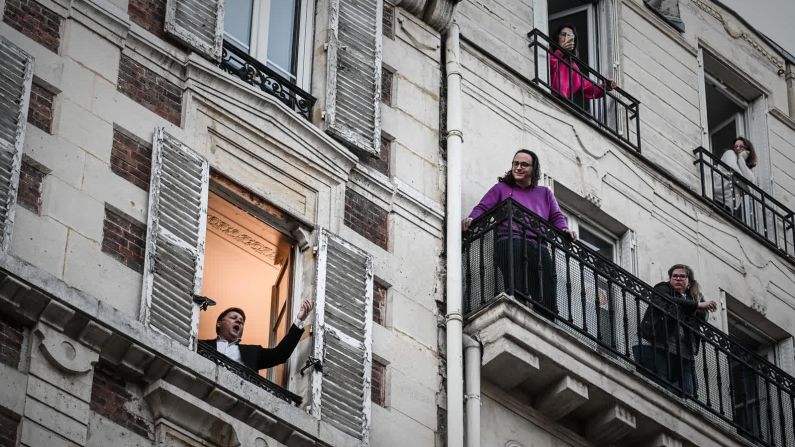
<point>702,101</point>
<point>213,50</point>
<point>319,325</point>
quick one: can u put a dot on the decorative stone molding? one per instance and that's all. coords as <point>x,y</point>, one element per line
<point>737,31</point>
<point>255,245</point>
<point>436,13</point>
<point>63,352</point>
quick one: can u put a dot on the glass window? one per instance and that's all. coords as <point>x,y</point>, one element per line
<point>266,30</point>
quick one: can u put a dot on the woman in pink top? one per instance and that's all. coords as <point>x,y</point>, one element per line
<point>566,81</point>
<point>521,184</point>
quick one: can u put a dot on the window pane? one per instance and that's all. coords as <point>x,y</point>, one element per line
<point>237,22</point>
<point>596,243</point>
<point>281,37</point>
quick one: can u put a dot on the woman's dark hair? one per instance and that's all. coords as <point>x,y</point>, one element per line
<point>695,289</point>
<point>573,30</point>
<point>751,160</point>
<point>534,177</point>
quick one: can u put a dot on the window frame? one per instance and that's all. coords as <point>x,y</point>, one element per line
<point>302,45</point>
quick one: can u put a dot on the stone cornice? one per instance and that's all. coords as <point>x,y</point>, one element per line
<point>736,31</point>
<point>149,356</point>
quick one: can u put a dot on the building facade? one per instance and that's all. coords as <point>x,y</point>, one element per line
<point>167,159</point>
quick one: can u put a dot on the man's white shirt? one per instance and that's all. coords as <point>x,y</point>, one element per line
<point>232,349</point>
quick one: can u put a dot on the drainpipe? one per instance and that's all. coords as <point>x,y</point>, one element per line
<point>454,319</point>
<point>789,75</point>
<point>472,360</point>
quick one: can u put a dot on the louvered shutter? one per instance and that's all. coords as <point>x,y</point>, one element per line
<point>353,73</point>
<point>343,336</point>
<point>198,24</point>
<point>174,238</point>
<point>786,355</point>
<point>628,252</point>
<point>16,76</point>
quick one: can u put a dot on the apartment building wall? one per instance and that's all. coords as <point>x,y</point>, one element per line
<point>106,76</point>
<point>654,196</point>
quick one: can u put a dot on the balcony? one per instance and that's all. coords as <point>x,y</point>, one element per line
<point>575,294</point>
<point>615,112</point>
<point>239,63</point>
<point>746,205</point>
<point>247,373</point>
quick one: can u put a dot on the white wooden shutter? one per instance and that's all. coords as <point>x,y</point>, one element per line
<point>198,24</point>
<point>353,73</point>
<point>174,238</point>
<point>343,336</point>
<point>16,76</point>
<point>629,252</point>
<point>669,10</point>
<point>786,356</point>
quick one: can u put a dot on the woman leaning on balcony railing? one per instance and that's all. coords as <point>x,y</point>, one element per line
<point>568,81</point>
<point>521,184</point>
<point>731,194</point>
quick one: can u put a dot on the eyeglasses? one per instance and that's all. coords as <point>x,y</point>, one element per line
<point>740,146</point>
<point>679,276</point>
<point>566,34</point>
<point>521,164</point>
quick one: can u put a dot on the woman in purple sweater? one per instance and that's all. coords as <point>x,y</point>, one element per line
<point>521,184</point>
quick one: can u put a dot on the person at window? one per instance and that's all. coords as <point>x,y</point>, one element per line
<point>565,75</point>
<point>521,184</point>
<point>666,328</point>
<point>741,159</point>
<point>229,328</point>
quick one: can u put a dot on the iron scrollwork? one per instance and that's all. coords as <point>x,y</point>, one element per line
<point>207,351</point>
<point>238,63</point>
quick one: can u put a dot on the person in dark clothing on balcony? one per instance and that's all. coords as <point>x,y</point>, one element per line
<point>565,74</point>
<point>521,184</point>
<point>668,348</point>
<point>229,328</point>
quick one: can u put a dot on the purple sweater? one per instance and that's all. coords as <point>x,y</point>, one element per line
<point>540,200</point>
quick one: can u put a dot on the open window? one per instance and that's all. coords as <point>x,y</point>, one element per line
<point>734,107</point>
<point>248,263</point>
<point>752,399</point>
<point>274,32</point>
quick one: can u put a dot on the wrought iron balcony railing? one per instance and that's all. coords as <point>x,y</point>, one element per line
<point>247,373</point>
<point>239,63</point>
<point>746,204</point>
<point>514,251</point>
<point>584,91</point>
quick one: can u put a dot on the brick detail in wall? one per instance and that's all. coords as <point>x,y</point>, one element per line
<point>387,80</point>
<point>388,20</point>
<point>378,383</point>
<point>30,178</point>
<point>34,20</point>
<point>12,335</point>
<point>124,238</point>
<point>379,302</point>
<point>110,397</point>
<point>380,163</point>
<point>9,427</point>
<point>40,108</point>
<point>131,157</point>
<point>149,15</point>
<point>149,89</point>
<point>366,218</point>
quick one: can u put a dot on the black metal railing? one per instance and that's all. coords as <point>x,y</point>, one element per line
<point>583,90</point>
<point>746,204</point>
<point>239,63</point>
<point>511,250</point>
<point>206,350</point>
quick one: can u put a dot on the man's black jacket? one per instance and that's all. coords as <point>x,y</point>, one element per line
<point>256,357</point>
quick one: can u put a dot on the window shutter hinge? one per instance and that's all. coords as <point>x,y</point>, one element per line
<point>325,46</point>
<point>316,364</point>
<point>323,114</point>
